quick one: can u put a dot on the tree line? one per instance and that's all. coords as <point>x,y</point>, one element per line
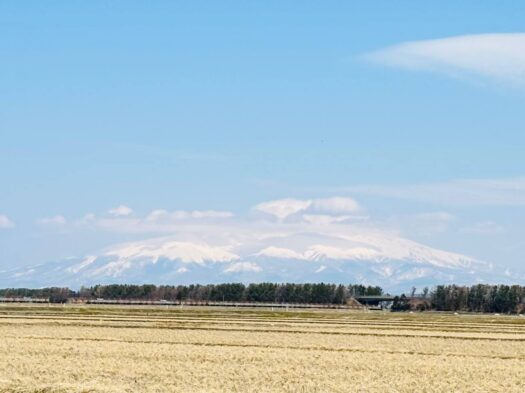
<point>479,298</point>
<point>484,298</point>
<point>235,292</point>
<point>53,294</point>
<point>476,298</point>
<point>319,293</point>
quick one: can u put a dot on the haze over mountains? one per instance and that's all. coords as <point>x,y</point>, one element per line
<point>325,240</point>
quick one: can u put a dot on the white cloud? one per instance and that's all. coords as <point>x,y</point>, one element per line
<point>301,230</point>
<point>210,214</point>
<point>467,192</point>
<point>423,223</point>
<point>157,221</point>
<point>89,217</point>
<point>500,57</point>
<point>323,219</point>
<point>164,215</point>
<point>483,228</point>
<point>55,220</point>
<point>336,205</point>
<point>120,211</point>
<point>434,222</point>
<point>239,245</point>
<point>157,214</point>
<point>284,208</point>
<point>436,216</point>
<point>5,222</point>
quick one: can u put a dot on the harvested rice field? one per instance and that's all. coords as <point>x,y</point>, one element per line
<point>169,349</point>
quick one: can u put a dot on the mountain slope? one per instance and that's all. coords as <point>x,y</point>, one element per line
<point>294,256</point>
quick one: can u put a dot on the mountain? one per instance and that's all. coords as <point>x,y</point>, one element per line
<point>375,258</point>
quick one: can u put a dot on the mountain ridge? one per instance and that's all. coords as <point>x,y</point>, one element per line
<point>373,259</point>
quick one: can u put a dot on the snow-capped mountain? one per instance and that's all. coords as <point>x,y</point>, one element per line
<point>344,256</point>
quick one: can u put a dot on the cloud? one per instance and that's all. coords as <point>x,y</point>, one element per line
<point>210,214</point>
<point>283,208</point>
<point>241,245</point>
<point>323,219</point>
<point>469,192</point>
<point>483,228</point>
<point>336,205</point>
<point>161,215</point>
<point>209,236</point>
<point>90,217</point>
<point>56,220</point>
<point>423,223</point>
<point>498,57</point>
<point>5,222</point>
<point>120,211</point>
<point>157,221</point>
<point>434,222</point>
<point>435,217</point>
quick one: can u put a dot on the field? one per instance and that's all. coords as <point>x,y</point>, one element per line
<point>159,349</point>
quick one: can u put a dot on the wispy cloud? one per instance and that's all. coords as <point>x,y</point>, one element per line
<point>55,220</point>
<point>469,192</point>
<point>177,215</point>
<point>5,222</point>
<point>498,57</point>
<point>283,208</point>
<point>483,228</point>
<point>157,221</point>
<point>121,210</point>
<point>426,224</point>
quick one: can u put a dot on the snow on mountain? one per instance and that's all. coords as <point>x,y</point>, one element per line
<point>330,254</point>
<point>320,252</point>
<point>278,252</point>
<point>174,250</point>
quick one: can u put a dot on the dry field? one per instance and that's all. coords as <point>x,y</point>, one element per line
<point>132,349</point>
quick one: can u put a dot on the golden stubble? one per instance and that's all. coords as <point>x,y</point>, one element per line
<point>118,349</point>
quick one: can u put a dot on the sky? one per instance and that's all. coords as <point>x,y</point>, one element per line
<point>409,114</point>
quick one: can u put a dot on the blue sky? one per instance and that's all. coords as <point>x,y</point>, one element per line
<point>224,105</point>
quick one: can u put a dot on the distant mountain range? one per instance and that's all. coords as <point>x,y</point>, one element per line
<point>382,259</point>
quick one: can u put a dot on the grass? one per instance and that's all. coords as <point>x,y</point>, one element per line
<point>168,349</point>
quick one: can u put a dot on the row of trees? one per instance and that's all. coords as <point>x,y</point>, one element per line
<point>53,294</point>
<point>479,298</point>
<point>262,292</point>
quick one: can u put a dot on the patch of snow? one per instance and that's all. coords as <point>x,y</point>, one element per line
<point>24,273</point>
<point>242,267</point>
<point>321,252</point>
<point>85,263</point>
<point>185,252</point>
<point>278,252</point>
